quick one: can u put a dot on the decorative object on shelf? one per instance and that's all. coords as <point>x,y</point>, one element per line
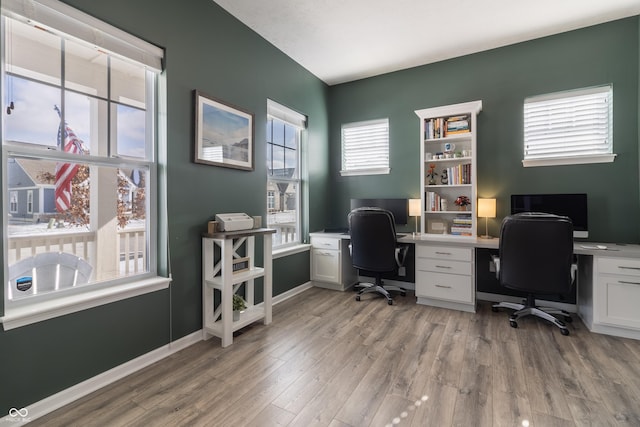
<point>462,202</point>
<point>436,226</point>
<point>431,173</point>
<point>444,178</point>
<point>240,264</point>
<point>415,211</point>
<point>444,205</point>
<point>449,147</point>
<point>224,134</point>
<point>239,304</point>
<point>486,210</point>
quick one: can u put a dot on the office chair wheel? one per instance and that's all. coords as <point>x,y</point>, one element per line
<point>564,332</point>
<point>357,297</point>
<point>513,323</point>
<point>403,293</point>
<point>390,301</point>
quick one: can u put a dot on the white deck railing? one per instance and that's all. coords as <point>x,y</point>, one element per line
<point>130,244</point>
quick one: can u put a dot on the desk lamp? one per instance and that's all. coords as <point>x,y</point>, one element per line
<point>414,210</point>
<point>486,210</point>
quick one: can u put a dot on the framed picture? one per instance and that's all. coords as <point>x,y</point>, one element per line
<point>224,134</point>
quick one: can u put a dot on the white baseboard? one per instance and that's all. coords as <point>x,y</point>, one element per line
<point>49,404</point>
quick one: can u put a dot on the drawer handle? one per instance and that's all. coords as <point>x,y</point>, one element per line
<point>443,266</point>
<point>324,253</point>
<point>628,268</point>
<point>443,253</point>
<point>443,286</point>
<point>628,283</point>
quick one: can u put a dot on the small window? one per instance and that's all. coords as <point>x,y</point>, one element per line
<point>30,201</point>
<point>365,148</point>
<point>13,202</point>
<point>570,127</point>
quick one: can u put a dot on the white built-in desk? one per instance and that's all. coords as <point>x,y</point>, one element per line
<point>608,282</point>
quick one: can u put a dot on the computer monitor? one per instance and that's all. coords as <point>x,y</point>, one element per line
<point>398,207</point>
<point>573,206</point>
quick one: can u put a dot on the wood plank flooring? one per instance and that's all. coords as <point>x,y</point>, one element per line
<point>328,360</point>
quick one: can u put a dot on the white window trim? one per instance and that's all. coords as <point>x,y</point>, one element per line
<point>15,317</point>
<point>374,170</point>
<point>299,121</point>
<point>283,251</point>
<point>575,159</point>
<point>60,17</point>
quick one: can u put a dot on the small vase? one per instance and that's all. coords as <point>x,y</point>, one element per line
<point>462,208</point>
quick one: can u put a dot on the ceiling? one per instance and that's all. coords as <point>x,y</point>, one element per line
<point>344,40</point>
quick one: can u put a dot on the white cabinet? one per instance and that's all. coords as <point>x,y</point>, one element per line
<point>448,148</point>
<point>331,262</point>
<point>220,281</point>
<point>616,297</point>
<point>445,277</point>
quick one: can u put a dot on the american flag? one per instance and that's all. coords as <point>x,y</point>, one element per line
<point>70,143</point>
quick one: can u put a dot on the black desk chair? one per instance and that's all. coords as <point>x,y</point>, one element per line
<point>374,248</point>
<point>536,256</point>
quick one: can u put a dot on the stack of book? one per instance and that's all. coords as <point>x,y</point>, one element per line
<point>442,127</point>
<point>462,225</point>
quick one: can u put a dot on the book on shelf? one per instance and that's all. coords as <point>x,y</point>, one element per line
<point>441,127</point>
<point>459,174</point>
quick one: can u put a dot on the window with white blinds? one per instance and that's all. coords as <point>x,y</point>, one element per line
<point>569,127</point>
<point>365,148</point>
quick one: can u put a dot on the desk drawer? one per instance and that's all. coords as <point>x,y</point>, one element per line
<point>444,252</point>
<point>449,287</point>
<point>325,242</point>
<point>625,266</point>
<point>444,266</point>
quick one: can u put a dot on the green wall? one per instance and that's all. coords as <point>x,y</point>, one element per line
<point>502,78</point>
<point>208,50</point>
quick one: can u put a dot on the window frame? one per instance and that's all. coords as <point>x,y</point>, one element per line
<point>346,151</point>
<point>297,121</point>
<point>74,25</point>
<point>544,104</point>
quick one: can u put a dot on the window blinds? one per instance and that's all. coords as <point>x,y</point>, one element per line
<point>569,124</point>
<point>365,146</point>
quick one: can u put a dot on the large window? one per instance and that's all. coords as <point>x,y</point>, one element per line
<point>284,177</point>
<point>365,148</point>
<point>569,127</point>
<point>78,148</point>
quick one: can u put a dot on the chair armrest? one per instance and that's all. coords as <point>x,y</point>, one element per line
<point>401,254</point>
<point>574,270</point>
<point>496,261</point>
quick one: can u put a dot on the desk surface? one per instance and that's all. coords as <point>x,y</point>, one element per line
<point>614,250</point>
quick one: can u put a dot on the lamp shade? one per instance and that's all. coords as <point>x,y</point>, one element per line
<point>486,208</point>
<point>414,207</point>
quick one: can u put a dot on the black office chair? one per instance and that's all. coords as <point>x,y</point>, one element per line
<point>374,248</point>
<point>536,257</point>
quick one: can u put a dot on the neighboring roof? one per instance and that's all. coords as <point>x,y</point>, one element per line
<point>37,169</point>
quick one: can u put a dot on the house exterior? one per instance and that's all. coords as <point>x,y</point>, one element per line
<point>31,190</point>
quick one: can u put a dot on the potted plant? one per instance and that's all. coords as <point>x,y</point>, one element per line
<point>239,304</point>
<point>462,202</point>
<point>431,173</point>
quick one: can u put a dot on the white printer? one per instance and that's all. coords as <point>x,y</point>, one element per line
<point>234,221</point>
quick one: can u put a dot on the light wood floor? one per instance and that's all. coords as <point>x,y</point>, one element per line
<point>327,360</point>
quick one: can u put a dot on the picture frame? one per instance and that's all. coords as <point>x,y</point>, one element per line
<point>224,134</point>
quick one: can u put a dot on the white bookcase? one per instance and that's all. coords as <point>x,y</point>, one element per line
<point>449,133</point>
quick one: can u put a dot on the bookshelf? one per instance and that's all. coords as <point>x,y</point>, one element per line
<point>448,169</point>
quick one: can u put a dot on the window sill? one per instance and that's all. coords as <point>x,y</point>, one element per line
<point>291,250</point>
<point>377,171</point>
<point>578,160</point>
<point>33,313</point>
